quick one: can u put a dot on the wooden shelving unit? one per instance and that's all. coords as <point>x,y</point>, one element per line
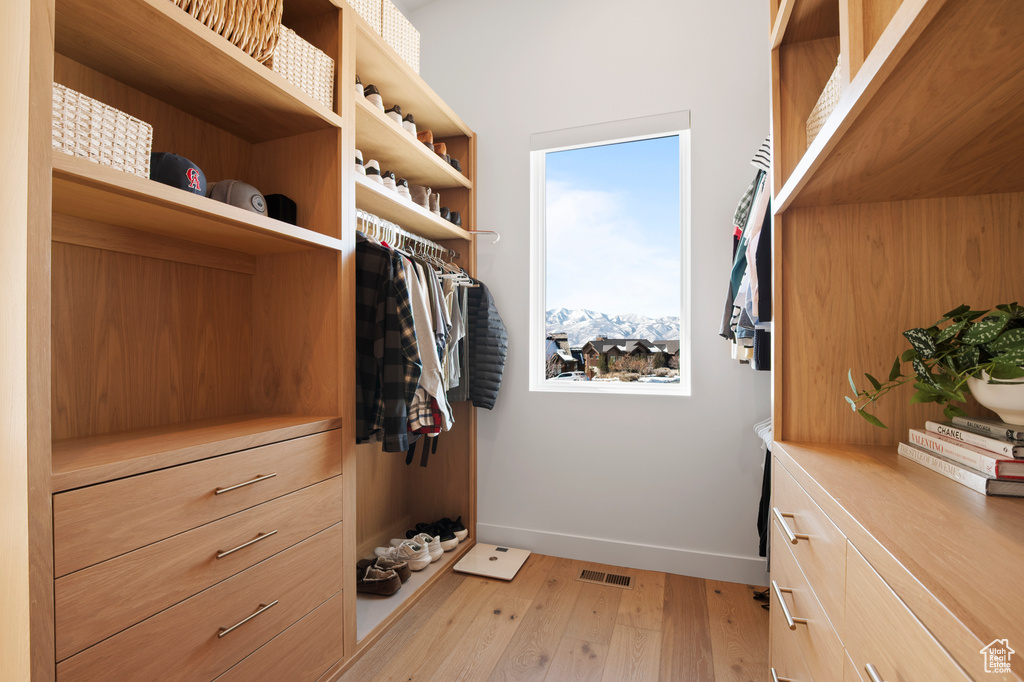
<point>902,208</point>
<point>384,203</point>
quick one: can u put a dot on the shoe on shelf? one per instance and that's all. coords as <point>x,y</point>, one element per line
<point>395,114</point>
<point>455,164</point>
<point>409,123</point>
<point>426,137</point>
<point>389,180</point>
<point>372,95</point>
<point>455,218</point>
<point>441,149</point>
<point>359,88</point>
<point>448,539</point>
<point>372,169</point>
<point>435,203</point>
<point>410,551</point>
<point>420,195</point>
<point>455,527</point>
<point>380,563</point>
<point>359,163</point>
<point>372,580</point>
<point>444,212</point>
<point>402,187</point>
<point>431,542</point>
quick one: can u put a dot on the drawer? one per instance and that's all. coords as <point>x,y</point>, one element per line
<point>815,637</point>
<point>302,653</point>
<point>882,631</point>
<point>188,641</point>
<point>102,521</point>
<point>787,663</point>
<point>820,547</point>
<point>104,599</point>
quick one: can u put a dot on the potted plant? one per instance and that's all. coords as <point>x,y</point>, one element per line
<point>979,352</point>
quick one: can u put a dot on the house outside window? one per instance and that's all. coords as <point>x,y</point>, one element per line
<point>610,256</point>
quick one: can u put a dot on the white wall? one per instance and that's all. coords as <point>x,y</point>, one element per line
<point>663,483</point>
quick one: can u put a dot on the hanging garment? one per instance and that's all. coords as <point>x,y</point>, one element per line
<point>421,412</point>
<point>488,347</point>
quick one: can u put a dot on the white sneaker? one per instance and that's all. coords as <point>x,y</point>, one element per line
<point>433,544</point>
<point>416,554</point>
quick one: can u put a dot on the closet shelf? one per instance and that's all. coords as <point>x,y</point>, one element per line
<point>378,137</point>
<point>802,20</point>
<point>85,461</point>
<point>163,52</point>
<point>881,145</point>
<point>87,190</point>
<point>386,204</point>
<point>378,64</point>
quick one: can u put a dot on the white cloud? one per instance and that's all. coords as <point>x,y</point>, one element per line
<point>600,257</point>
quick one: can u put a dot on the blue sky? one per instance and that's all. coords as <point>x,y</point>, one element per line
<point>613,228</point>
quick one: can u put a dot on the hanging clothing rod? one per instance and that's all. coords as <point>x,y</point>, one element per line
<point>497,237</point>
<point>386,226</point>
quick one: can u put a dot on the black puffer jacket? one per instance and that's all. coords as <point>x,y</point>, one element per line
<point>488,346</point>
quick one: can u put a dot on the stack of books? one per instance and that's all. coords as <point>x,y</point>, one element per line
<point>986,456</point>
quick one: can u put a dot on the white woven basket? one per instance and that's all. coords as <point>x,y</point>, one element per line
<point>369,10</point>
<point>400,34</point>
<point>85,127</point>
<point>825,105</point>
<point>304,66</point>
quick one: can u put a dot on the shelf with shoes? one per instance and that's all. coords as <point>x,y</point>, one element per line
<point>380,138</point>
<point>383,202</point>
<point>972,100</point>
<point>107,197</point>
<point>188,65</point>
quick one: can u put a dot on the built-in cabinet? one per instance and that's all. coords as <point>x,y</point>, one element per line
<point>192,499</point>
<point>904,206</point>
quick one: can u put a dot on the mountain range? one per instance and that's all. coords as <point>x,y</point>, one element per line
<point>585,325</point>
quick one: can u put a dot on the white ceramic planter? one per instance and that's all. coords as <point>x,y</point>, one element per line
<point>1006,400</point>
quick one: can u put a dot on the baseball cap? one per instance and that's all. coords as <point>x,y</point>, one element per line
<point>282,208</point>
<point>238,193</point>
<point>177,171</point>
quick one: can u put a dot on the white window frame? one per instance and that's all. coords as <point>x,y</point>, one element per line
<point>647,127</point>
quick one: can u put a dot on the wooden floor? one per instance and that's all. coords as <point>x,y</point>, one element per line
<point>546,625</point>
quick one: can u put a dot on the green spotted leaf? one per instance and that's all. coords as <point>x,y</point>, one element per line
<point>922,372</point>
<point>1011,356</point>
<point>985,331</point>
<point>894,373</point>
<point>968,357</point>
<point>1008,339</point>
<point>922,342</point>
<point>950,331</point>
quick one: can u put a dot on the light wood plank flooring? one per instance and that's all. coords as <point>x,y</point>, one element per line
<point>546,625</point>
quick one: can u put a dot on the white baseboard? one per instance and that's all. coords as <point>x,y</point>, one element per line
<point>736,569</point>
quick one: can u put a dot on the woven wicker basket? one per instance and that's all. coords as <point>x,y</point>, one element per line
<point>304,66</point>
<point>369,10</point>
<point>825,105</point>
<point>90,129</point>
<point>400,34</point>
<point>252,25</point>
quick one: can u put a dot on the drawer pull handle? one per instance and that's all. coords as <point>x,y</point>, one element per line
<point>790,535</point>
<point>790,620</point>
<point>263,607</point>
<point>872,673</point>
<point>262,536</point>
<point>776,678</point>
<point>218,491</point>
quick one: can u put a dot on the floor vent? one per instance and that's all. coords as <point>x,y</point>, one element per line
<point>599,578</point>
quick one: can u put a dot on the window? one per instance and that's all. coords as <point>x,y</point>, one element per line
<point>609,305</point>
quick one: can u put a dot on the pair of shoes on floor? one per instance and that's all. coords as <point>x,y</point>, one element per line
<point>381,576</point>
<point>431,542</point>
<point>450,533</point>
<point>413,552</point>
<point>454,217</point>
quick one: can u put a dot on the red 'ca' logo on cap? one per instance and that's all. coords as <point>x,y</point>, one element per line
<point>193,179</point>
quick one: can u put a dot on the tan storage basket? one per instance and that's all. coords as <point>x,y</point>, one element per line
<point>252,25</point>
<point>304,66</point>
<point>369,10</point>
<point>825,105</point>
<point>92,130</point>
<point>400,34</point>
